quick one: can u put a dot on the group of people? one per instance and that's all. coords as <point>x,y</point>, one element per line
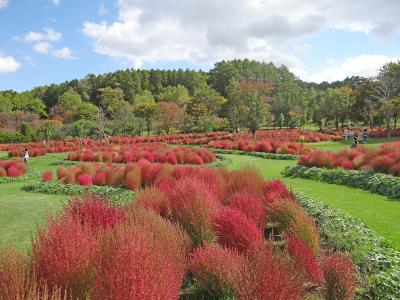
<point>361,137</point>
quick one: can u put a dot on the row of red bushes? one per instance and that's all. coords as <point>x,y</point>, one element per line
<point>267,146</point>
<point>284,135</point>
<point>12,168</point>
<point>153,152</point>
<point>236,234</point>
<point>385,159</point>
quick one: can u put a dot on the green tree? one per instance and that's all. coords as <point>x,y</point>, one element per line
<point>145,108</point>
<point>175,94</point>
<point>337,103</point>
<point>111,100</point>
<point>249,103</point>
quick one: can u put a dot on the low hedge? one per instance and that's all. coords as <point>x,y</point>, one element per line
<point>30,176</point>
<point>383,184</point>
<point>378,263</point>
<point>118,196</point>
<point>257,154</point>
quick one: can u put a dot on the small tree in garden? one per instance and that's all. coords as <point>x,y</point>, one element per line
<point>168,115</point>
<point>248,103</point>
<point>387,90</point>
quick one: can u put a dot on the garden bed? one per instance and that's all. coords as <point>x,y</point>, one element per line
<point>378,183</point>
<point>378,263</point>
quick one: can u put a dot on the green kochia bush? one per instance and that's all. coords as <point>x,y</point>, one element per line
<point>386,185</point>
<point>376,259</point>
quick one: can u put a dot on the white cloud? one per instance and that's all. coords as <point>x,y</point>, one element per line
<point>56,2</point>
<point>362,65</point>
<point>63,53</point>
<point>204,31</point>
<point>102,9</point>
<point>8,64</point>
<point>49,34</point>
<point>3,3</point>
<point>42,47</point>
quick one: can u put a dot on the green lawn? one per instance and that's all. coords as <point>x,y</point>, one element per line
<point>22,212</point>
<point>379,212</point>
<point>335,146</point>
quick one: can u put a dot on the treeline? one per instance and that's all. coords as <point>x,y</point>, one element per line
<point>237,94</point>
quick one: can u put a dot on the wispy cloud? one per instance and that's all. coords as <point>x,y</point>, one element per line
<point>63,53</point>
<point>3,3</point>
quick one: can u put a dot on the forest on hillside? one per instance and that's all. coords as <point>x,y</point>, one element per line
<point>233,95</point>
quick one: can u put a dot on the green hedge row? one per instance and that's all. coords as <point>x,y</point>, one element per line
<point>117,196</point>
<point>377,261</point>
<point>386,185</point>
<point>257,154</point>
<point>30,176</point>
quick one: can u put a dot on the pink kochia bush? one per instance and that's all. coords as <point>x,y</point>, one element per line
<point>151,152</point>
<point>12,168</point>
<point>385,159</point>
<point>47,176</point>
<point>196,233</point>
<point>304,258</point>
<point>235,230</point>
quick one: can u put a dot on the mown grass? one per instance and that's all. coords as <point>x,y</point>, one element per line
<point>22,212</point>
<point>335,146</point>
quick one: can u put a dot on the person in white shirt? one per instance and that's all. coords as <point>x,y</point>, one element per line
<point>26,155</point>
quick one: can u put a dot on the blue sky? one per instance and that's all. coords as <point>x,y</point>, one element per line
<point>50,41</point>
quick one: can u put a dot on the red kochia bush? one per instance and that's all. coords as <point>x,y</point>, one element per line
<point>47,176</point>
<point>251,206</point>
<point>218,269</point>
<point>248,180</point>
<point>94,212</point>
<point>136,266</point>
<point>235,230</point>
<point>13,274</point>
<point>155,200</point>
<point>65,254</point>
<point>276,190</point>
<point>99,178</point>
<point>13,172</point>
<point>305,258</point>
<point>193,206</point>
<point>85,180</point>
<point>339,277</point>
<point>269,274</point>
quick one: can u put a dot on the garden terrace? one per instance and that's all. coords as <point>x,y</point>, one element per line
<point>152,152</point>
<point>208,233</point>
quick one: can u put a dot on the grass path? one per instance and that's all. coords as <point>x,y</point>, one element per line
<point>22,212</point>
<point>335,146</point>
<point>380,213</point>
